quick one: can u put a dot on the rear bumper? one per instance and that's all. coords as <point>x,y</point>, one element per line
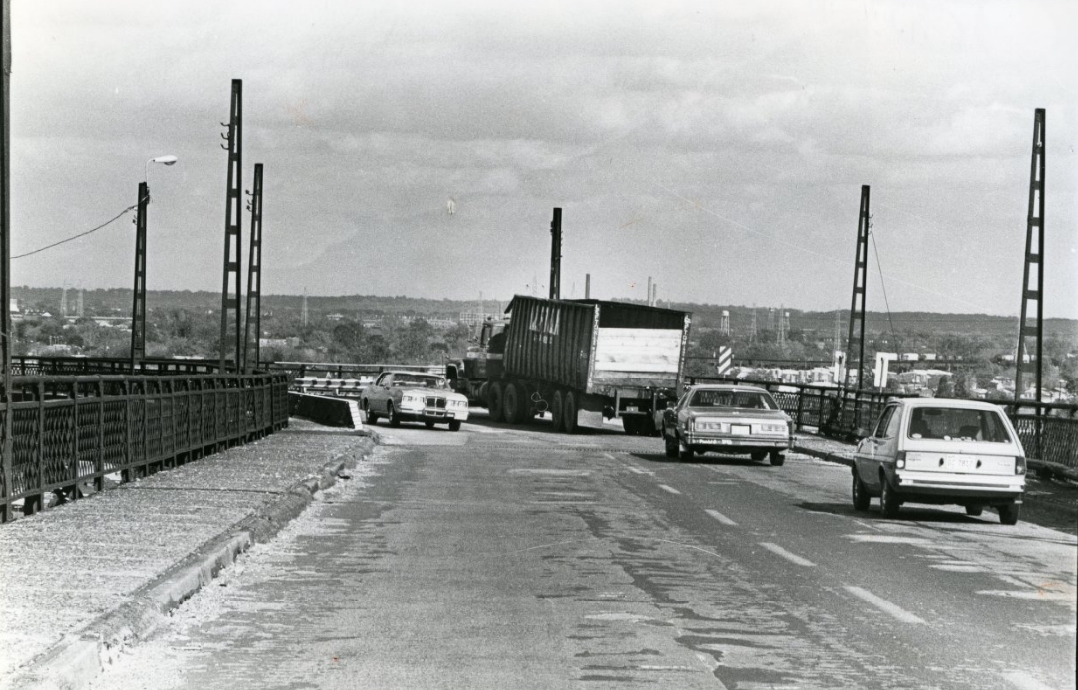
<point>934,486</point>
<point>736,444</point>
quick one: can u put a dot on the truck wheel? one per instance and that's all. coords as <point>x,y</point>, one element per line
<point>631,425</point>
<point>512,405</point>
<point>557,410</point>
<point>568,413</point>
<point>495,394</point>
<point>454,425</point>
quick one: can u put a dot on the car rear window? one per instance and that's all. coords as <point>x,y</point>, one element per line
<point>750,399</point>
<point>957,424</point>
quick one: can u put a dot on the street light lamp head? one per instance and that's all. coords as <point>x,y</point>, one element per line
<point>165,160</point>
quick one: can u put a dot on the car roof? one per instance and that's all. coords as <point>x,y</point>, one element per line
<point>960,403</point>
<point>413,373</point>
<point>727,387</point>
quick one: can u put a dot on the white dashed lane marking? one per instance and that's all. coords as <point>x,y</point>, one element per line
<point>721,518</point>
<point>669,489</point>
<point>791,557</point>
<point>884,605</point>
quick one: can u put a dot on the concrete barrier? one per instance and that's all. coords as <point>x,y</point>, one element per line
<point>326,409</point>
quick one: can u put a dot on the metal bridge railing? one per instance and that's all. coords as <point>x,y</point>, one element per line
<point>86,366</point>
<point>70,431</point>
<point>1048,431</point>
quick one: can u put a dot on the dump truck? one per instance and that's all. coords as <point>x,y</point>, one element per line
<point>578,360</point>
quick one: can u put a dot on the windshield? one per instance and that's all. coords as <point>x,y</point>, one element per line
<point>954,424</point>
<point>419,381</point>
<point>753,400</point>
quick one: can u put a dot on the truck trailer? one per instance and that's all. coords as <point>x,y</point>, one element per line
<point>575,357</point>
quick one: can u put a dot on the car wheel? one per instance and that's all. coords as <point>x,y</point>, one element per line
<point>889,502</point>
<point>568,413</point>
<point>372,418</point>
<point>454,425</point>
<point>1008,514</point>
<point>758,455</point>
<point>671,445</point>
<point>429,424</point>
<point>685,452</point>
<point>974,511</point>
<point>394,418</point>
<point>777,459</point>
<point>495,395</point>
<point>861,499</point>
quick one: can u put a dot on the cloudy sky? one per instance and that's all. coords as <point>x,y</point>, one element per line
<point>717,147</point>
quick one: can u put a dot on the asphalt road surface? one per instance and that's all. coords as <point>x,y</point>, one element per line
<point>507,558</point>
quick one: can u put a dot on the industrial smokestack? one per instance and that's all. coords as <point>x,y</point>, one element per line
<point>555,255</point>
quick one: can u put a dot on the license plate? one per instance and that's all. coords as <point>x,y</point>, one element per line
<point>632,408</point>
<point>962,464</point>
<point>740,429</point>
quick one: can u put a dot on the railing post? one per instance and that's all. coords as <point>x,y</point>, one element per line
<point>99,459</point>
<point>800,407</point>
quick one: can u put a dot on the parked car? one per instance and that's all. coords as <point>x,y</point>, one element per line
<point>727,418</point>
<point>410,396</point>
<point>931,450</point>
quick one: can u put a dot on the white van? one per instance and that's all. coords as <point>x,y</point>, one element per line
<point>932,450</point>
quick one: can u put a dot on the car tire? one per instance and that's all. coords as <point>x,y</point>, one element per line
<point>974,511</point>
<point>777,459</point>
<point>671,445</point>
<point>568,413</point>
<point>495,395</point>
<point>1008,514</point>
<point>394,418</point>
<point>454,425</point>
<point>557,410</point>
<point>861,499</point>
<point>889,502</point>
<point>758,455</point>
<point>429,424</point>
<point>372,418</point>
<point>685,452</point>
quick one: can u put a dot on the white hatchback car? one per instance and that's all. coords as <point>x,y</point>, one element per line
<point>932,450</point>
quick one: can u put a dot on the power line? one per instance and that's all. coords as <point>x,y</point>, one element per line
<point>81,234</point>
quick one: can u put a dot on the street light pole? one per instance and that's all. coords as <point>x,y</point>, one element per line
<point>138,308</point>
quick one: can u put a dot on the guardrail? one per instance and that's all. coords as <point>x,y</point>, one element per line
<point>341,371</point>
<point>87,366</point>
<point>69,433</point>
<point>1048,431</point>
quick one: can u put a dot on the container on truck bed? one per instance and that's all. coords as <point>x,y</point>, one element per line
<point>572,356</point>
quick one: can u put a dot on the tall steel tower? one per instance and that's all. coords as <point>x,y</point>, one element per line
<point>230,287</point>
<point>1033,295</point>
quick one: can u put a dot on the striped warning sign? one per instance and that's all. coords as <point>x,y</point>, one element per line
<point>725,360</point>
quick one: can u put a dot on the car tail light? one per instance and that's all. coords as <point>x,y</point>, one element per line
<point>900,460</point>
<point>1019,465</point>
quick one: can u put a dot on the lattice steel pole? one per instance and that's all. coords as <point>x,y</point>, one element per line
<point>5,257</point>
<point>555,255</point>
<point>1034,266</point>
<point>253,322</point>
<point>138,307</point>
<point>233,222</point>
<point>856,336</point>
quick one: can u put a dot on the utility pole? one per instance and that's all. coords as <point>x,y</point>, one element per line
<point>1033,295</point>
<point>555,255</point>
<point>5,251</point>
<point>233,228</point>
<point>855,343</point>
<point>138,307</point>
<point>251,349</point>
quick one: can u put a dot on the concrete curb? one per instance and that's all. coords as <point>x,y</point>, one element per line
<point>81,656</point>
<point>824,455</point>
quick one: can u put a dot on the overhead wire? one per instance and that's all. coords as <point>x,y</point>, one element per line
<point>81,234</point>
